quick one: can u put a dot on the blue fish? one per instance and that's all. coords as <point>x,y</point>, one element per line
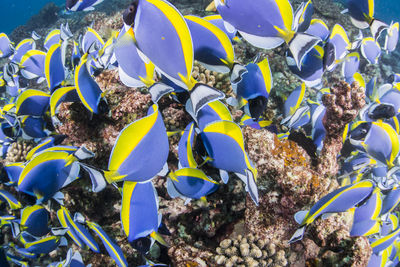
<point>370,50</point>
<point>54,67</point>
<point>212,47</point>
<point>32,102</point>
<point>336,48</point>
<point>190,183</point>
<point>267,24</point>
<point>391,200</point>
<point>212,112</point>
<point>13,170</point>
<point>44,144</point>
<point>52,38</point>
<point>91,38</point>
<point>129,159</point>
<point>33,127</point>
<point>6,46</point>
<point>340,200</point>
<point>294,100</point>
<point>81,5</point>
<point>44,245</point>
<point>113,249</point>
<point>185,147</point>
<point>34,220</point>
<point>392,37</point>
<point>63,94</point>
<point>75,55</point>
<point>12,202</point>
<point>224,144</point>
<point>381,243</point>
<point>350,65</point>
<point>32,64</point>
<point>22,48</point>
<point>219,22</point>
<point>318,28</point>
<point>302,16</point>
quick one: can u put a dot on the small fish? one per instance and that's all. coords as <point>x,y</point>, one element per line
<point>75,55</point>
<point>32,64</point>
<point>300,117</point>
<point>318,131</point>
<point>34,220</point>
<point>392,37</point>
<point>381,243</point>
<point>12,202</point>
<point>267,24</point>
<point>365,228</point>
<point>312,67</point>
<point>54,67</point>
<point>248,121</point>
<point>212,112</point>
<point>366,134</point>
<point>371,209</point>
<point>370,50</point>
<point>91,38</point>
<point>340,200</point>
<point>255,87</point>
<point>224,144</point>
<point>336,48</point>
<point>391,200</point>
<point>13,170</point>
<point>130,159</point>
<point>350,65</point>
<point>32,102</point>
<point>44,144</point>
<point>81,5</point>
<point>190,183</point>
<point>185,147</point>
<point>133,71</point>
<point>212,47</point>
<point>44,245</point>
<point>66,221</point>
<point>6,46</point>
<point>318,28</point>
<point>302,16</point>
<point>33,127</point>
<point>113,249</point>
<point>294,100</point>
<point>73,259</point>
<point>22,48</point>
<point>52,38</point>
<point>139,212</point>
<point>87,88</point>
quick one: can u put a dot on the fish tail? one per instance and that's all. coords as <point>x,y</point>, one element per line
<point>156,236</point>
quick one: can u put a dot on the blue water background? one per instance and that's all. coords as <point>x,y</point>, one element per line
<point>17,12</point>
<point>14,13</point>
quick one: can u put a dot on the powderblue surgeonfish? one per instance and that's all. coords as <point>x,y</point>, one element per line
<point>185,147</point>
<point>57,167</point>
<point>392,37</point>
<point>54,68</point>
<point>87,88</point>
<point>32,64</point>
<point>318,28</point>
<point>44,144</point>
<point>381,243</point>
<point>22,48</point>
<point>312,67</point>
<point>52,38</point>
<point>44,245</point>
<point>378,139</point>
<point>302,16</point>
<point>91,38</point>
<point>81,5</point>
<point>294,100</point>
<point>163,37</point>
<point>391,200</point>
<point>130,159</point>
<point>267,24</point>
<point>212,112</point>
<point>340,200</point>
<point>212,47</point>
<point>370,50</point>
<point>139,212</point>
<point>33,127</point>
<point>13,170</point>
<point>133,71</point>
<point>32,102</point>
<point>63,94</point>
<point>350,65</point>
<point>336,48</point>
<point>34,220</point>
<point>224,144</point>
<point>255,86</point>
<point>6,46</point>
<point>190,183</point>
<point>112,248</point>
<point>12,202</point>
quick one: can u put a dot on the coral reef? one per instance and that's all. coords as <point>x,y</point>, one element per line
<point>17,151</point>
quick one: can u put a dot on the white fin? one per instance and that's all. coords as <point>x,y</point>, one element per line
<point>164,170</point>
<point>78,217</point>
<point>28,75</point>
<point>224,176</point>
<point>262,42</point>
<point>187,200</point>
<point>252,186</point>
<point>298,235</point>
<point>35,36</point>
<point>56,122</point>
<point>83,153</point>
<point>359,24</point>
<point>171,190</point>
<point>15,229</point>
<point>60,231</point>
<point>217,68</point>
<point>237,73</point>
<point>128,80</point>
<point>377,27</point>
<point>97,177</point>
<point>143,56</point>
<point>88,9</point>
<point>229,27</point>
<point>63,242</point>
<point>73,174</point>
<point>59,197</point>
<point>202,94</point>
<point>232,101</point>
<point>326,215</point>
<point>189,109</point>
<point>158,90</point>
<point>40,80</point>
<point>300,45</point>
<point>242,177</point>
<point>300,216</point>
<point>344,11</point>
